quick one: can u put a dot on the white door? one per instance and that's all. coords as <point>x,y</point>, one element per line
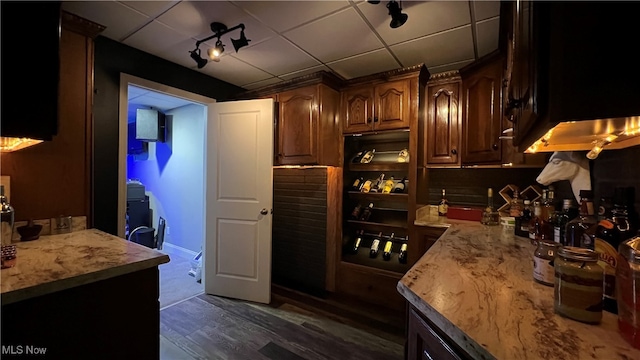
<point>239,159</point>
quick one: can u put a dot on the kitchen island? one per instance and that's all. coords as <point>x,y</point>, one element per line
<point>85,294</point>
<point>472,294</point>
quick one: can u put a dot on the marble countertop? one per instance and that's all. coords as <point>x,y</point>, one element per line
<point>58,262</point>
<point>476,284</point>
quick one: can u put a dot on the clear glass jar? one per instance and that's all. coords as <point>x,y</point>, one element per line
<point>627,285</point>
<point>543,262</point>
<point>579,284</point>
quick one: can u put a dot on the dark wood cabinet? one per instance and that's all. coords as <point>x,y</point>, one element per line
<point>384,106</point>
<point>482,111</point>
<point>443,119</point>
<point>425,341</point>
<point>307,128</point>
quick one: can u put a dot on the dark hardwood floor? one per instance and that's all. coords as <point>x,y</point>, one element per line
<point>211,327</point>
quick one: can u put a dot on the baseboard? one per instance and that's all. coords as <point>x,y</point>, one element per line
<point>171,249</point>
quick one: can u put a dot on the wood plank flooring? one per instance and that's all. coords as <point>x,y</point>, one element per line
<point>211,327</point>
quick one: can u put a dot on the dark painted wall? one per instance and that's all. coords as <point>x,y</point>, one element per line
<point>112,58</point>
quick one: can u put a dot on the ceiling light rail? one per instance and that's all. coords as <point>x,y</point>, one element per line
<point>214,53</point>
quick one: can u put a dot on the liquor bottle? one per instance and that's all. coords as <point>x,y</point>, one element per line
<point>604,208</point>
<point>357,241</point>
<point>490,216</point>
<point>515,205</point>
<point>574,231</point>
<point>356,159</point>
<point>357,184</point>
<point>357,211</point>
<point>388,185</point>
<point>443,206</point>
<point>7,218</point>
<point>402,255</point>
<point>366,187</point>
<point>399,188</point>
<point>537,224</point>
<point>366,213</point>
<point>522,222</point>
<point>375,246</point>
<point>560,221</point>
<point>378,184</point>
<point>550,205</point>
<point>368,156</point>
<point>388,247</point>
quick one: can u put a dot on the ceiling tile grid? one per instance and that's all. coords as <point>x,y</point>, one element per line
<point>352,38</point>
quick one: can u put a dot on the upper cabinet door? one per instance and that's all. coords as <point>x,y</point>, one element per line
<point>392,105</point>
<point>482,114</point>
<point>443,123</point>
<point>358,109</point>
<point>298,126</point>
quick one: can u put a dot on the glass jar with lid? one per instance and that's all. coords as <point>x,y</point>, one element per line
<point>543,262</point>
<point>579,284</point>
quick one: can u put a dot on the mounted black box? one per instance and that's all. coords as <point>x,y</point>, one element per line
<point>150,125</point>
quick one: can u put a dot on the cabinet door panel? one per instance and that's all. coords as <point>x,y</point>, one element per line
<point>424,343</point>
<point>358,109</point>
<point>482,115</point>
<point>443,126</point>
<point>392,105</point>
<point>298,126</point>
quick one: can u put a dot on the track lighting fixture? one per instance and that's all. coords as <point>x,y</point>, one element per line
<point>397,17</point>
<point>214,53</point>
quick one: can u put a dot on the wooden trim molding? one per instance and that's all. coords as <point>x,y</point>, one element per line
<point>81,25</point>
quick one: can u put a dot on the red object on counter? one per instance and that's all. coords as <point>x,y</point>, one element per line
<point>464,213</point>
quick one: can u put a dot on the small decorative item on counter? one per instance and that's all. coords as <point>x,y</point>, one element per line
<point>579,284</point>
<point>403,156</point>
<point>543,262</point>
<point>61,225</point>
<point>443,206</point>
<point>30,231</point>
<point>628,290</point>
<point>9,255</point>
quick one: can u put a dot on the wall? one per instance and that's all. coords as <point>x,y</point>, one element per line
<point>173,176</point>
<point>112,58</point>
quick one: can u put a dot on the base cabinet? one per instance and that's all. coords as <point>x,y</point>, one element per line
<point>426,342</point>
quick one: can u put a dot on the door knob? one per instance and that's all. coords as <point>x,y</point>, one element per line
<point>264,212</point>
<point>454,151</point>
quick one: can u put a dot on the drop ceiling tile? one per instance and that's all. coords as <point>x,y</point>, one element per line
<point>448,67</point>
<point>486,9</point>
<point>151,8</point>
<point>194,18</point>
<point>276,56</point>
<point>259,84</point>
<point>285,15</point>
<point>487,33</point>
<point>438,49</point>
<point>154,38</point>
<point>179,53</point>
<point>119,20</point>
<point>365,64</point>
<point>336,36</point>
<point>425,17</point>
<point>303,72</point>
<point>234,71</point>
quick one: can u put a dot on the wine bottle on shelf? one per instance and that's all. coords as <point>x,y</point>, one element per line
<point>357,241</point>
<point>388,247</point>
<point>378,184</point>
<point>443,206</point>
<point>375,246</point>
<point>357,184</point>
<point>368,156</point>
<point>356,159</point>
<point>366,187</point>
<point>399,188</point>
<point>366,213</point>
<point>388,185</point>
<point>402,256</point>
<point>403,156</point>
<point>357,211</point>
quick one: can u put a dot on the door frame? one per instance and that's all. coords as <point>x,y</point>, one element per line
<point>125,81</point>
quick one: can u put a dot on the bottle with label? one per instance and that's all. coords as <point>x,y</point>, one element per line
<point>356,212</point>
<point>574,231</point>
<point>388,247</point>
<point>403,156</point>
<point>377,184</point>
<point>522,222</point>
<point>537,225</point>
<point>515,205</point>
<point>490,216</point>
<point>399,187</point>
<point>368,156</point>
<point>357,184</point>
<point>388,185</point>
<point>443,206</point>
<point>561,220</point>
<point>543,258</point>
<point>549,206</point>
<point>366,187</point>
<point>402,255</point>
<point>375,246</point>
<point>7,218</point>
<point>366,213</point>
<point>356,159</point>
<point>357,241</point>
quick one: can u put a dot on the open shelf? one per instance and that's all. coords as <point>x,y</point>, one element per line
<point>381,166</point>
<point>374,197</point>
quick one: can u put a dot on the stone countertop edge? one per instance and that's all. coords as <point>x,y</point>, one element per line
<point>476,285</point>
<point>59,262</point>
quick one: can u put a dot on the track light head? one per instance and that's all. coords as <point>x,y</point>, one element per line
<point>216,51</point>
<point>195,55</point>
<point>243,41</point>
<point>397,17</point>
